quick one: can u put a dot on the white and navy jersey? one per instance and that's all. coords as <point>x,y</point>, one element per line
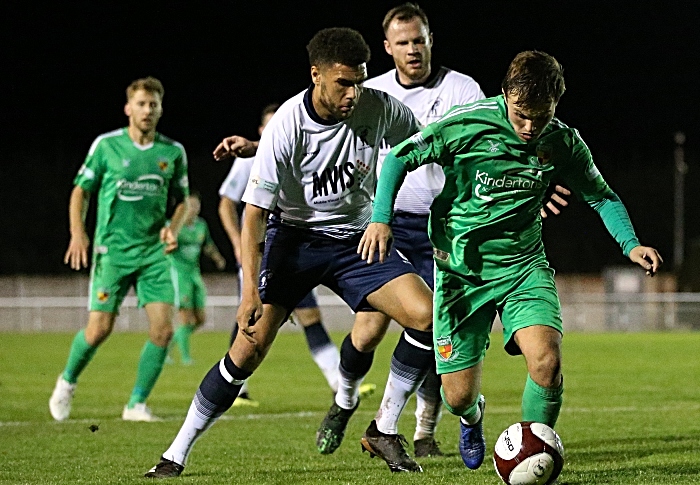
<point>444,89</point>
<point>237,179</point>
<point>321,175</point>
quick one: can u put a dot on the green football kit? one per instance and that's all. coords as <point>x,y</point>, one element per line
<point>485,226</point>
<point>185,260</point>
<point>133,184</point>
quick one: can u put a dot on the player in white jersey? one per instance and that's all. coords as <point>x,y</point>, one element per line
<point>316,167</point>
<point>430,94</point>
<point>307,313</point>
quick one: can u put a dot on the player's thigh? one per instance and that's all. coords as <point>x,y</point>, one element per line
<point>406,299</point>
<point>200,316</point>
<point>100,325</point>
<point>525,300</point>
<point>463,315</point>
<point>109,284</point>
<point>462,387</point>
<point>160,319</point>
<point>156,281</point>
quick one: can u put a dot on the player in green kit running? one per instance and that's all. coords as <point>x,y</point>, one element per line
<point>498,156</point>
<point>132,172</point>
<point>193,240</point>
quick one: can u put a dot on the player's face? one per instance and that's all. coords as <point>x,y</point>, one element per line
<point>529,121</point>
<point>144,109</point>
<point>337,89</point>
<point>409,43</point>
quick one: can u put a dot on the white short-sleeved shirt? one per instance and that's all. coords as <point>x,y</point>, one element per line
<point>321,175</point>
<point>429,101</point>
<point>237,179</point>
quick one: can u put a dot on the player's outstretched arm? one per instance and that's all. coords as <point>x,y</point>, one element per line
<point>235,146</point>
<point>212,252</point>
<point>648,258</point>
<point>377,238</point>
<point>77,253</point>
<point>556,201</point>
<point>250,309</point>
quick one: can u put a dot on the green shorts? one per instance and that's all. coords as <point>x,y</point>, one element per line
<point>190,288</point>
<point>464,311</point>
<point>110,282</point>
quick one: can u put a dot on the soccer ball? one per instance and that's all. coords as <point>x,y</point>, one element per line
<point>528,453</point>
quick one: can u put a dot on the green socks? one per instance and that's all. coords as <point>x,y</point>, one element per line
<point>80,354</point>
<point>182,339</point>
<point>541,404</point>
<point>150,365</point>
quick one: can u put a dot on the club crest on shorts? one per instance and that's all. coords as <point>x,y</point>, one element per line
<point>445,350</point>
<point>102,295</point>
<point>265,276</point>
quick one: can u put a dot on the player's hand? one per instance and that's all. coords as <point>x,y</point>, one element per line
<point>235,146</point>
<point>168,238</point>
<point>555,197</point>
<point>250,310</point>
<point>77,253</point>
<point>220,263</point>
<point>377,238</point>
<point>647,258</point>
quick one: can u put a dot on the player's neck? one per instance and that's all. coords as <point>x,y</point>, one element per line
<point>140,137</point>
<point>408,82</point>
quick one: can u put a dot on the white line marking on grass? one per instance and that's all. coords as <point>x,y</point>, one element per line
<point>310,414</point>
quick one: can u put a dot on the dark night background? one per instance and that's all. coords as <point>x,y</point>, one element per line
<point>631,68</point>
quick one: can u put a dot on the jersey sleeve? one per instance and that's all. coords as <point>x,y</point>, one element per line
<point>93,168</point>
<point>269,167</point>
<point>401,122</point>
<point>236,180</point>
<point>424,147</point>
<point>180,185</point>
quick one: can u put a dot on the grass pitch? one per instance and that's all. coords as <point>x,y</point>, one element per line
<point>631,415</point>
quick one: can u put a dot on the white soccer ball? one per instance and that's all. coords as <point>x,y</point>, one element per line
<point>528,453</point>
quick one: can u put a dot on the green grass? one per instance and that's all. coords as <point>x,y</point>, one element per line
<point>631,415</point>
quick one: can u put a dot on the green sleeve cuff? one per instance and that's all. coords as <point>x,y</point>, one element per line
<point>390,180</point>
<point>617,222</point>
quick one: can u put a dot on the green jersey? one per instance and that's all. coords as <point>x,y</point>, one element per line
<point>486,221</point>
<point>190,241</point>
<point>133,184</point>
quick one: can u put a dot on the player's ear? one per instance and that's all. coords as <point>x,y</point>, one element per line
<point>127,109</point>
<point>316,75</point>
<point>387,47</point>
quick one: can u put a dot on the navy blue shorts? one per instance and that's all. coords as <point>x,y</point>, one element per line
<point>295,261</point>
<point>411,239</point>
<point>309,301</point>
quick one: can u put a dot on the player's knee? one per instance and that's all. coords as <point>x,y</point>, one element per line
<point>161,335</point>
<point>545,368</point>
<point>458,400</point>
<point>421,316</point>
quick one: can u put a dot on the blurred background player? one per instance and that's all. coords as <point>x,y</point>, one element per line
<point>132,170</point>
<point>193,240</point>
<point>429,94</point>
<point>307,314</point>
<point>486,228</point>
